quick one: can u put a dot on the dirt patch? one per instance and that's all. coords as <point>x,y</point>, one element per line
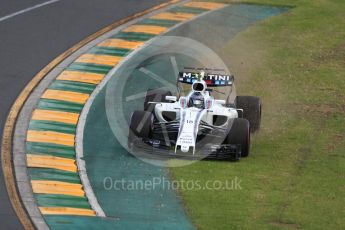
<point>242,61</point>
<point>336,140</point>
<point>285,225</point>
<point>339,137</point>
<point>247,59</point>
<point>336,54</point>
<point>324,110</point>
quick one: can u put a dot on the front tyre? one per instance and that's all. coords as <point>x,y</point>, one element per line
<point>140,126</point>
<point>239,134</point>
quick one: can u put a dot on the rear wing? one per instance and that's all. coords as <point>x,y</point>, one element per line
<point>212,80</point>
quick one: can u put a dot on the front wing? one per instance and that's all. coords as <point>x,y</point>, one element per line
<point>155,148</point>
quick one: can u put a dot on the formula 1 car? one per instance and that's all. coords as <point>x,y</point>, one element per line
<point>196,125</point>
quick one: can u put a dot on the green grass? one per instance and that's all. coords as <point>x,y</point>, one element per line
<point>295,175</point>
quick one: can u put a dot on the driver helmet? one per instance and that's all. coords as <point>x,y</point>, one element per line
<point>196,100</point>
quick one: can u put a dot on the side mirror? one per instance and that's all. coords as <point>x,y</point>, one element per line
<point>240,113</point>
<point>171,98</point>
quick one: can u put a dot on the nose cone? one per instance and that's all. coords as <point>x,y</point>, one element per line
<point>185,148</point>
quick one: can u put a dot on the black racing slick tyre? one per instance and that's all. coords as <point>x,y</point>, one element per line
<point>251,110</point>
<point>239,134</point>
<point>155,95</point>
<point>140,126</point>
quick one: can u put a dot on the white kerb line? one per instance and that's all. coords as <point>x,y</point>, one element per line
<point>27,10</point>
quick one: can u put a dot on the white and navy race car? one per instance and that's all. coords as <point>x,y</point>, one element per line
<point>196,125</point>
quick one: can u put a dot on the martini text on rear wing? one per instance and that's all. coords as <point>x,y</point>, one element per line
<point>212,80</point>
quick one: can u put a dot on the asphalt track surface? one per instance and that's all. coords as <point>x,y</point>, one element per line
<point>29,41</point>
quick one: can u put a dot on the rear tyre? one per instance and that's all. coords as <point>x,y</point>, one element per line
<point>140,126</point>
<point>251,110</point>
<point>155,95</point>
<point>239,134</point>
